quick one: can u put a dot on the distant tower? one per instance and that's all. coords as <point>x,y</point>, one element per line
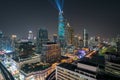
<point>30,35</point>
<point>85,38</point>
<point>1,34</point>
<point>69,34</point>
<point>14,39</point>
<point>42,38</point>
<point>55,38</point>
<point>76,41</point>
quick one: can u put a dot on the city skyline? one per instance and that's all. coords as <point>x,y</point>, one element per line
<point>98,17</point>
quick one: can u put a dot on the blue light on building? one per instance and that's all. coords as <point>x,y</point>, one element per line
<point>61,30</point>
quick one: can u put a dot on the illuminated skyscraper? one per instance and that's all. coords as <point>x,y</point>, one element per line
<point>61,22</point>
<point>55,38</point>
<point>69,34</point>
<point>1,34</point>
<point>30,35</point>
<point>42,38</point>
<point>76,41</point>
<point>61,30</point>
<point>14,40</point>
<point>85,38</point>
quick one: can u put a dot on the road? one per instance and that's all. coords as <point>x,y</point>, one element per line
<point>90,54</point>
<point>7,75</point>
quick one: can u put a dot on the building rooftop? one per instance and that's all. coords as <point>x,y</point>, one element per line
<point>107,76</point>
<point>113,57</point>
<point>96,60</point>
<point>117,54</point>
<point>74,68</point>
<point>24,58</point>
<point>33,67</point>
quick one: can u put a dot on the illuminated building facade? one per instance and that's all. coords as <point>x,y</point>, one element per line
<point>61,22</point>
<point>6,44</point>
<point>61,30</point>
<point>93,42</point>
<point>42,38</point>
<point>51,51</point>
<point>55,38</point>
<point>69,34</point>
<point>76,41</point>
<point>81,44</point>
<point>30,35</point>
<point>14,40</point>
<point>1,34</point>
<point>85,38</point>
<point>38,75</point>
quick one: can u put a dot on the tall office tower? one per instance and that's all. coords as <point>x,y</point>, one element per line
<point>55,38</point>
<point>85,38</point>
<point>14,39</point>
<point>5,44</point>
<point>69,34</point>
<point>61,30</point>
<point>61,22</point>
<point>93,42</point>
<point>1,34</point>
<point>80,42</point>
<point>76,41</point>
<point>30,35</point>
<point>42,38</point>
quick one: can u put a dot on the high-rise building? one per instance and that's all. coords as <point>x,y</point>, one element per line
<point>80,43</point>
<point>85,38</point>
<point>61,22</point>
<point>14,39</point>
<point>93,42</point>
<point>1,34</point>
<point>55,38</point>
<point>5,43</point>
<point>76,41</point>
<point>42,38</point>
<point>61,30</point>
<point>69,34</point>
<point>30,35</point>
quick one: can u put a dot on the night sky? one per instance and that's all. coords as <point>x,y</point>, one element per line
<point>99,17</point>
